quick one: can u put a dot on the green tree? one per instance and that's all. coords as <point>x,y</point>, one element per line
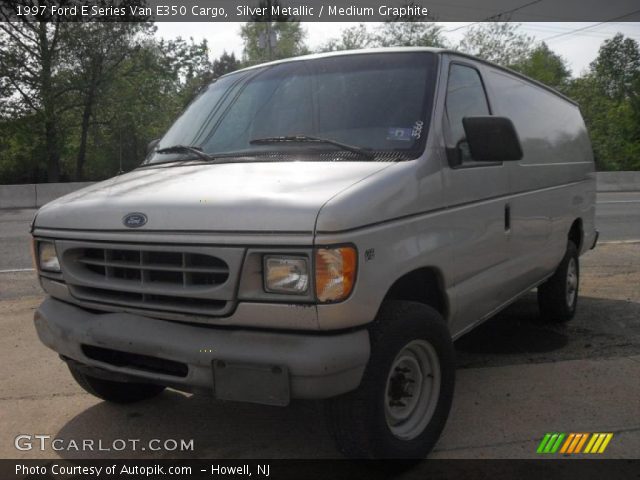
<point>187,64</point>
<point>351,38</point>
<point>608,96</point>
<point>225,63</point>
<point>617,67</point>
<point>82,100</point>
<point>132,110</point>
<point>410,34</point>
<point>268,37</point>
<point>499,42</point>
<point>545,66</point>
<point>29,61</point>
<point>93,52</point>
<point>412,31</point>
<point>152,86</point>
<point>393,33</point>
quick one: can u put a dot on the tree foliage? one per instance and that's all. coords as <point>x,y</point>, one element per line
<point>545,66</point>
<point>82,100</point>
<point>351,38</point>
<point>389,34</point>
<point>617,68</point>
<point>414,33</point>
<point>499,42</point>
<point>30,60</point>
<point>609,96</point>
<point>268,37</point>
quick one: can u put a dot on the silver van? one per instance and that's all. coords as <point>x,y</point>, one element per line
<point>323,227</point>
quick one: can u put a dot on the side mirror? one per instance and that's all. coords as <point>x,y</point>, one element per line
<point>152,144</point>
<point>492,139</point>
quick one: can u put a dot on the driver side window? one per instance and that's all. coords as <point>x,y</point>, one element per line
<point>465,98</point>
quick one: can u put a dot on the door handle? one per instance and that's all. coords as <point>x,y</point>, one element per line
<point>507,218</point>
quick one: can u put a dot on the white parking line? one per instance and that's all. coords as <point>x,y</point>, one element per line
<point>16,270</point>
<point>618,201</point>
<point>618,242</point>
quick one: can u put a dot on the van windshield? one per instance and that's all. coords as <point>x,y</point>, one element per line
<point>377,102</point>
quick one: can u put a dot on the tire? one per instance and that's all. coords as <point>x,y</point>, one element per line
<point>558,296</point>
<point>368,423</point>
<point>116,392</point>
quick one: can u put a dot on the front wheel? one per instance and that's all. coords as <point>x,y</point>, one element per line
<point>558,296</point>
<point>403,401</point>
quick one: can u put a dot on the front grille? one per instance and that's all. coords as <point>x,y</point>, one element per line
<point>179,279</point>
<point>148,267</point>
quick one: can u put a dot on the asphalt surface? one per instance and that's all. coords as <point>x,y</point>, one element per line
<point>518,378</point>
<point>617,218</point>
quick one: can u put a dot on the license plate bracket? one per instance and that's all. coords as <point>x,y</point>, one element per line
<point>264,384</point>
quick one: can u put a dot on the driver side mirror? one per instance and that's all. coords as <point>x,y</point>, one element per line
<point>492,139</point>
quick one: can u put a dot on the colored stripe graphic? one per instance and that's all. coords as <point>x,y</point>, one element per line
<point>598,442</point>
<point>543,443</point>
<point>550,443</point>
<point>577,443</point>
<point>573,443</point>
<point>582,442</point>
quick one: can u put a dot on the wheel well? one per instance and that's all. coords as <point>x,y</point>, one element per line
<point>575,233</point>
<point>424,285</point>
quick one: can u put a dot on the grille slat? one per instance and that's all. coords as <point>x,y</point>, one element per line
<point>148,266</point>
<point>147,301</point>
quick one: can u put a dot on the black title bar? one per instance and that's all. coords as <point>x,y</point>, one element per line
<point>546,469</point>
<point>322,10</point>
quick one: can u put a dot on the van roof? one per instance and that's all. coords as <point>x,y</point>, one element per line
<point>410,49</point>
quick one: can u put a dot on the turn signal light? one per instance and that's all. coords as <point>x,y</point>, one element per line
<point>335,272</point>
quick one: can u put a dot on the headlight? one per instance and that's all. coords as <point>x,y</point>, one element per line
<point>335,273</point>
<point>47,257</point>
<point>286,275</point>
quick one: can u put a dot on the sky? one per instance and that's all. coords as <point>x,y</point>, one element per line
<point>577,43</point>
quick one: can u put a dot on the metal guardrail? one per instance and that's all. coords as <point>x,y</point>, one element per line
<point>34,195</point>
<point>618,181</point>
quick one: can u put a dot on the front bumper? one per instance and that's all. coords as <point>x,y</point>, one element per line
<point>316,365</point>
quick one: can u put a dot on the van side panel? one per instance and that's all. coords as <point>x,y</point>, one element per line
<point>553,184</point>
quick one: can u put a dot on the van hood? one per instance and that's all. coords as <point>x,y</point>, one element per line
<point>229,197</point>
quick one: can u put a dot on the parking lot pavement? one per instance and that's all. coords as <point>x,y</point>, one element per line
<point>517,380</point>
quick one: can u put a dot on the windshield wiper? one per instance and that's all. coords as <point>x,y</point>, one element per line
<point>186,149</point>
<point>309,139</point>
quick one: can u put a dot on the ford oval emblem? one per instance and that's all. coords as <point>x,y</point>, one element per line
<point>134,220</point>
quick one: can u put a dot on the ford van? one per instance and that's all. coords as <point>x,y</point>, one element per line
<point>323,227</point>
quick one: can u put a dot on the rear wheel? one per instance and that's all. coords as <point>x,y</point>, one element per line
<point>558,296</point>
<point>116,392</point>
<point>403,401</point>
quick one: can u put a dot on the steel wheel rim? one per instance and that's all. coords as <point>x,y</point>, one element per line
<point>412,389</point>
<point>572,282</point>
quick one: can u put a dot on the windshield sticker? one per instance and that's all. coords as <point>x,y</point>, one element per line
<point>416,132</point>
<point>400,134</point>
